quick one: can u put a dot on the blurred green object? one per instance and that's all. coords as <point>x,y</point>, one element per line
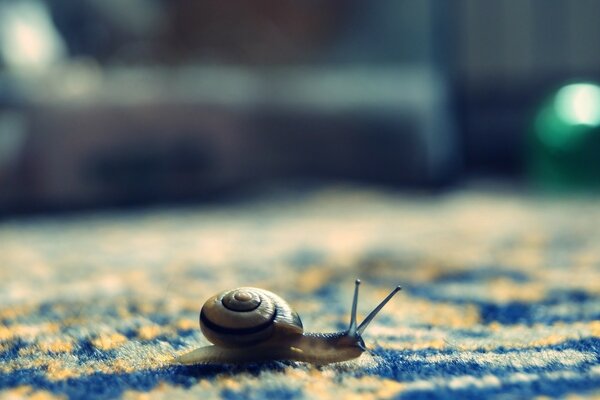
<point>565,144</point>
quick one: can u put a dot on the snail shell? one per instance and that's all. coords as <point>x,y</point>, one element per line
<point>247,316</point>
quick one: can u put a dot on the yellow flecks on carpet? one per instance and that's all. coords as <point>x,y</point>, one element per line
<point>231,383</point>
<point>595,328</point>
<point>549,340</point>
<point>495,326</point>
<point>372,388</point>
<point>23,331</point>
<point>44,395</point>
<point>518,336</point>
<point>27,392</point>
<point>440,314</point>
<point>161,388</point>
<point>311,382</point>
<point>158,360</point>
<point>588,396</point>
<point>202,389</point>
<point>186,324</point>
<point>56,346</point>
<point>586,259</point>
<point>504,290</point>
<point>109,341</point>
<point>426,271</point>
<point>29,351</point>
<point>120,366</point>
<point>132,395</point>
<point>313,278</point>
<point>319,384</point>
<point>149,332</point>
<point>17,393</point>
<point>52,346</point>
<point>122,311</point>
<point>5,333</point>
<point>523,257</point>
<point>15,311</point>
<point>389,388</point>
<point>57,371</point>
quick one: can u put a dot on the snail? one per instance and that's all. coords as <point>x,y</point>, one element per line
<point>250,325</point>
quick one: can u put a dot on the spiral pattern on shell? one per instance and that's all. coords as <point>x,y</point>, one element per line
<point>246,316</point>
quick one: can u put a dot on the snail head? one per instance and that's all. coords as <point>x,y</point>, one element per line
<point>355,332</point>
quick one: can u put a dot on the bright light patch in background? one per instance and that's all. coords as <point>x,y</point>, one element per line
<point>572,115</point>
<point>579,104</point>
<point>27,37</point>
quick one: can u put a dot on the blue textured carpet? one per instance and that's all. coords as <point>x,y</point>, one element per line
<point>501,299</point>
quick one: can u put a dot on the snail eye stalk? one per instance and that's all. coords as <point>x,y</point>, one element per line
<point>352,327</point>
<point>363,325</point>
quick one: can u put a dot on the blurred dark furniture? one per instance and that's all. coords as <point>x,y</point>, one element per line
<point>182,141</point>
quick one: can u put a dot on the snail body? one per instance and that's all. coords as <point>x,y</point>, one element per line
<point>250,324</point>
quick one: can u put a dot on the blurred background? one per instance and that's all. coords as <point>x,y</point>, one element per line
<point>111,103</point>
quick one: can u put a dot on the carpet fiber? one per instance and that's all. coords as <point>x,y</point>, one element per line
<point>501,296</point>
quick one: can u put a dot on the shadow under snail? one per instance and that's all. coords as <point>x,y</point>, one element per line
<point>250,324</point>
